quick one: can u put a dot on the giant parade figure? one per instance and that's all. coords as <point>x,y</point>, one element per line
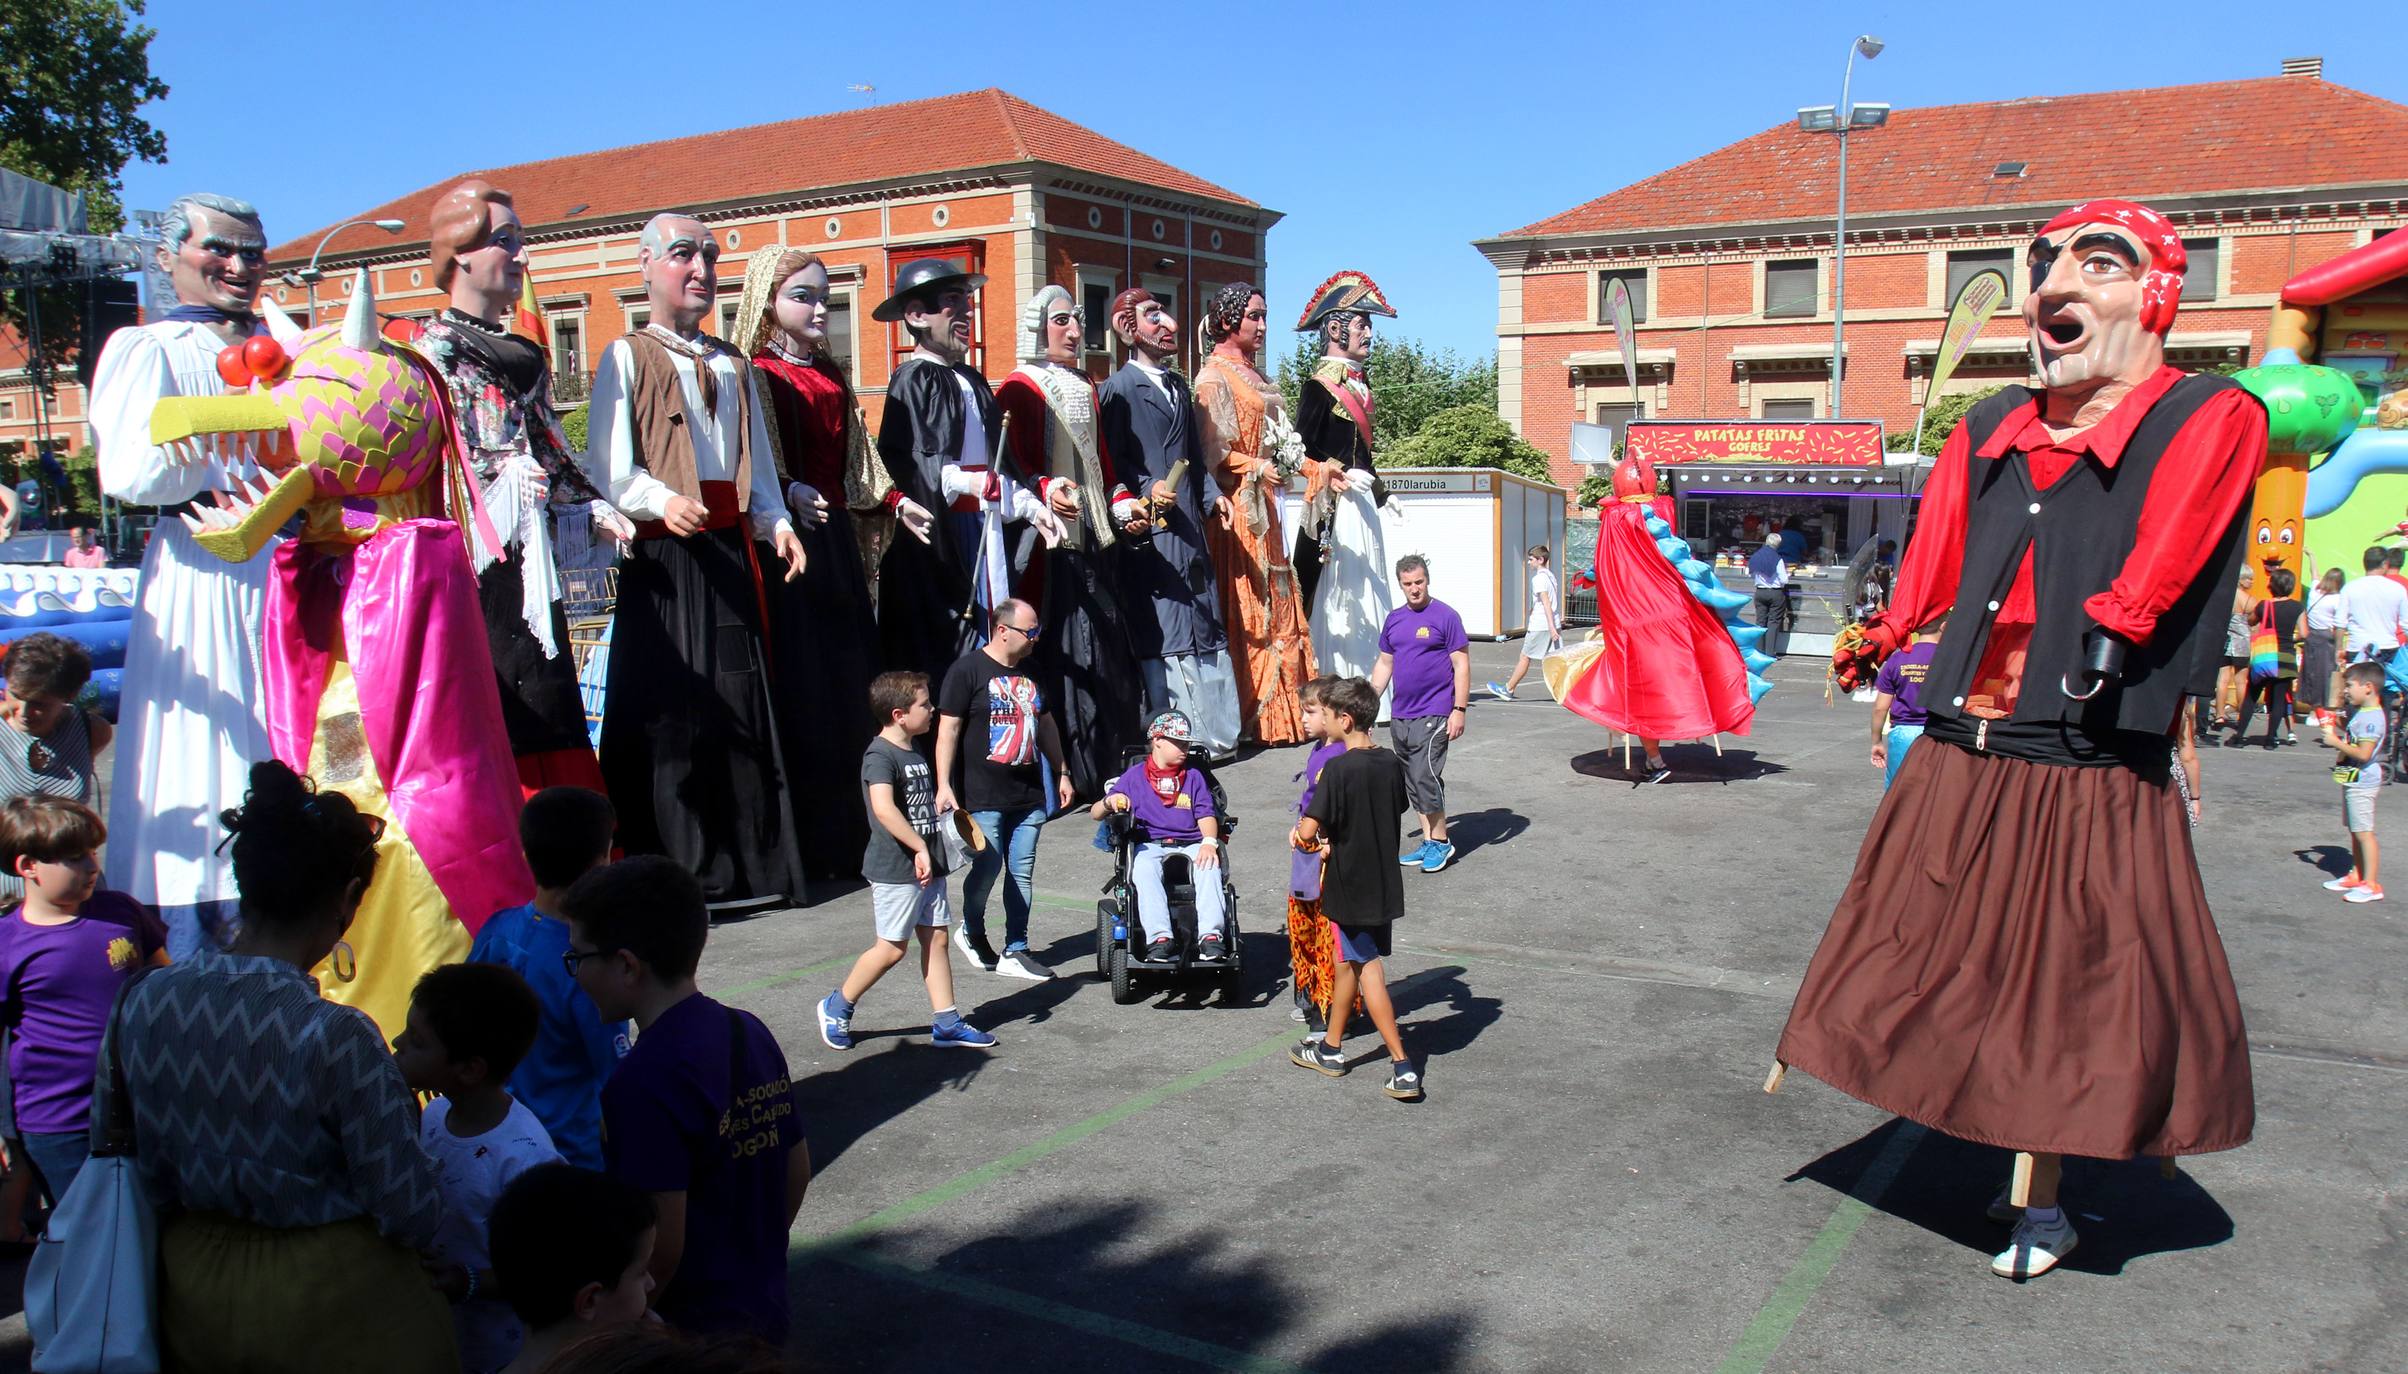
<point>2024,956</point>
<point>1090,672</point>
<point>823,632</point>
<point>940,436</point>
<point>376,682</point>
<point>1169,594</point>
<point>190,715</point>
<point>501,395</point>
<point>1342,548</point>
<point>676,435</point>
<point>1252,451</point>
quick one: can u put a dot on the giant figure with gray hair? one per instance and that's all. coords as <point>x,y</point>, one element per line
<point>190,720</point>
<point>1341,544</point>
<point>676,436</point>
<point>1085,661</point>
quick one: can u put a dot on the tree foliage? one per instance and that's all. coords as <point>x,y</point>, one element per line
<point>572,426</point>
<point>1940,418</point>
<point>1410,383</point>
<point>74,75</point>
<point>1468,436</point>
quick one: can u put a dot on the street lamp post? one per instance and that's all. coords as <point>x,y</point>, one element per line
<point>310,274</point>
<point>1838,120</point>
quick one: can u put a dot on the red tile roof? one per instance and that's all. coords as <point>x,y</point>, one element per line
<point>2225,136</point>
<point>880,143</point>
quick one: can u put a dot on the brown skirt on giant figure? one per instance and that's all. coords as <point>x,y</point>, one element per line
<point>2024,958</point>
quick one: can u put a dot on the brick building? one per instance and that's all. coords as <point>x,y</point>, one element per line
<point>1728,257</point>
<point>1021,194</point>
<point>22,407</point>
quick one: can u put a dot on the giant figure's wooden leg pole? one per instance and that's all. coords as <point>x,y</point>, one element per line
<point>2036,1179</point>
<point>1772,1081</point>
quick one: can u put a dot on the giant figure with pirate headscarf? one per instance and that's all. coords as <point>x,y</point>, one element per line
<point>2024,956</point>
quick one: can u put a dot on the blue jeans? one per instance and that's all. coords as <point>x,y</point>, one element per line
<point>1012,835</point>
<point>1153,896</point>
<point>1897,740</point>
<point>58,1159</point>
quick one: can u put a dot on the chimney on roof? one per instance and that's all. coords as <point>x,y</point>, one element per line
<point>2312,67</point>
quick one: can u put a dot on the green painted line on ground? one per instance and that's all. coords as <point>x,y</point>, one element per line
<point>1062,1314</point>
<point>789,976</point>
<point>961,1185</point>
<point>1797,1288</point>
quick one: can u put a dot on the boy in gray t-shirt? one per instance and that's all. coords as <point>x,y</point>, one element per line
<point>905,865</point>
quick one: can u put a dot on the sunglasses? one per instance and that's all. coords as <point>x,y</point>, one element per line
<point>316,810</point>
<point>1030,634</point>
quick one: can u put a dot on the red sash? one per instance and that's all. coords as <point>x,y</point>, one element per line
<point>1355,408</point>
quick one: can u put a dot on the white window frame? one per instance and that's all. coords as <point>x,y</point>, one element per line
<point>1098,340</point>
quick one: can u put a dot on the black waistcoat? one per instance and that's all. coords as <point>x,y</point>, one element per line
<point>2080,531</point>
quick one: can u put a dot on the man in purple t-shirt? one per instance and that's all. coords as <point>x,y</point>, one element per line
<point>1426,658</point>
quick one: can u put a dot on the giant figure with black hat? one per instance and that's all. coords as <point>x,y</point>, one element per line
<point>190,715</point>
<point>2024,956</point>
<point>941,439</point>
<point>676,435</point>
<point>1341,544</point>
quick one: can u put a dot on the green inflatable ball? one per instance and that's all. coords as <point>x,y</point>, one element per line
<point>2309,409</point>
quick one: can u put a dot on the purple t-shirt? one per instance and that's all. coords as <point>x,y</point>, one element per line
<point>1420,645</point>
<point>681,1114</point>
<point>1165,819</point>
<point>1902,677</point>
<point>1313,764</point>
<point>60,982</point>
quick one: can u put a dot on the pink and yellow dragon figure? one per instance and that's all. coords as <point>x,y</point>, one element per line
<point>379,684</point>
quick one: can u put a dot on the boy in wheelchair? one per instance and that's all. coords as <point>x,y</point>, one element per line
<point>1168,807</point>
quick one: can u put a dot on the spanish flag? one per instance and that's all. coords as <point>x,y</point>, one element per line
<point>527,321</point>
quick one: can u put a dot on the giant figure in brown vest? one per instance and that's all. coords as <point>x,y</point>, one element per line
<point>675,436</point>
<point>2024,956</point>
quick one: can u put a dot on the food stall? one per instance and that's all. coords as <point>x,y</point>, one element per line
<point>1827,486</point>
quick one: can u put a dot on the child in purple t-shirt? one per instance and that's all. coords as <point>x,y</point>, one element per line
<point>701,1113</point>
<point>63,955</point>
<point>1170,804</point>
<point>1898,714</point>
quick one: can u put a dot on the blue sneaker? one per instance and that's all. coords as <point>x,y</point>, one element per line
<point>1416,857</point>
<point>835,1031</point>
<point>1436,855</point>
<point>961,1035</point>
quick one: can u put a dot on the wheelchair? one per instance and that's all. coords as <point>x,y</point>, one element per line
<point>1120,939</point>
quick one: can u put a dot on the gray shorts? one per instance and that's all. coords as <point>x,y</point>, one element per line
<point>2358,809</point>
<point>1537,645</point>
<point>897,907</point>
<point>1420,745</point>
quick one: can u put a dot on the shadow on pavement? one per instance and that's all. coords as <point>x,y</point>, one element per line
<point>2125,1209</point>
<point>2332,858</point>
<point>1438,1013</point>
<point>1052,1289</point>
<point>1691,763</point>
<point>1474,830</point>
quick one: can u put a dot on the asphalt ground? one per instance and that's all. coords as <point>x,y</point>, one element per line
<point>1596,1180</point>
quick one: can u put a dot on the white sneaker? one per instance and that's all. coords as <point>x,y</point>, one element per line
<point>2035,1249</point>
<point>2345,883</point>
<point>968,949</point>
<point>1017,964</point>
<point>2364,892</point>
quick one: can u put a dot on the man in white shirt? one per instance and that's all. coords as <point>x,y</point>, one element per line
<point>2373,608</point>
<point>676,437</point>
<point>191,716</point>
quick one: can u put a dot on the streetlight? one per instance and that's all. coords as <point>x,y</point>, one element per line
<point>1839,119</point>
<point>311,274</point>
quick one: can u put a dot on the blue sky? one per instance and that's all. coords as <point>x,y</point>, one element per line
<point>1390,135</point>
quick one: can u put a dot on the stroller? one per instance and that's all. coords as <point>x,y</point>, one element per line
<point>1119,938</point>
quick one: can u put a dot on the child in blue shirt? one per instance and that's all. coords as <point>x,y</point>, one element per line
<point>566,831</point>
<point>1171,805</point>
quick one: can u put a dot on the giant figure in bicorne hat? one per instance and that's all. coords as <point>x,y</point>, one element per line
<point>1341,548</point>
<point>2024,956</point>
<point>941,439</point>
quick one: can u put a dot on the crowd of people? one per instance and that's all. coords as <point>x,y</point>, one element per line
<point>366,860</point>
